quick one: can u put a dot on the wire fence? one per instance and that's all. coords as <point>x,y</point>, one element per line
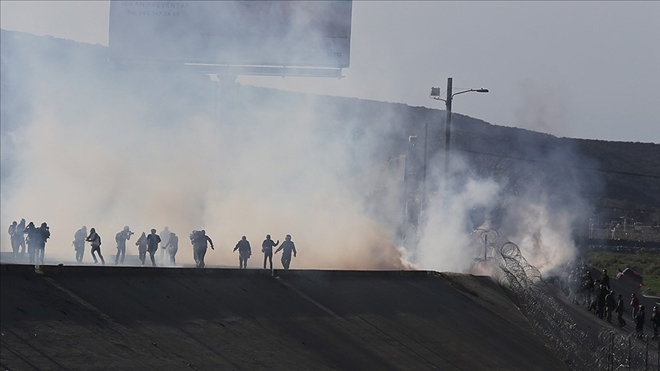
<point>579,348</point>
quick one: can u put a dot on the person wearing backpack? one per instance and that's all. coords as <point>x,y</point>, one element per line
<point>95,240</point>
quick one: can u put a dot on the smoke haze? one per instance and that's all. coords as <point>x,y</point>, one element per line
<point>84,144</point>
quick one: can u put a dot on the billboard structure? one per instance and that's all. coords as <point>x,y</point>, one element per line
<point>255,37</point>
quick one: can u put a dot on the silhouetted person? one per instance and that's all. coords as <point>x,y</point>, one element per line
<point>21,238</point>
<point>267,249</point>
<point>95,240</point>
<point>610,303</point>
<point>588,287</point>
<point>42,235</point>
<point>605,279</point>
<point>600,300</point>
<point>172,246</point>
<point>142,243</point>
<point>194,235</point>
<point>287,247</point>
<point>152,241</point>
<point>619,309</point>
<point>244,252</point>
<point>655,321</point>
<point>639,321</point>
<point>79,243</point>
<point>12,238</point>
<point>32,238</point>
<point>200,243</point>
<point>121,237</point>
<point>164,238</point>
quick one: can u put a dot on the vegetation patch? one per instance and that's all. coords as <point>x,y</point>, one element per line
<point>643,262</point>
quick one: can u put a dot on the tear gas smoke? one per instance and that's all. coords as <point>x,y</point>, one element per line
<point>104,148</point>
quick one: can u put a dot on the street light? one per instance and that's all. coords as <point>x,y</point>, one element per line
<point>435,94</point>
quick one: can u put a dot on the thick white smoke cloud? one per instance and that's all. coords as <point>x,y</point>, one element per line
<point>149,149</point>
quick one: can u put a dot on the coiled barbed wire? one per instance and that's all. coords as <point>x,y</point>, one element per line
<point>538,300</point>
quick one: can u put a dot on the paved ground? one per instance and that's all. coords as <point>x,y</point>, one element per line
<point>131,318</point>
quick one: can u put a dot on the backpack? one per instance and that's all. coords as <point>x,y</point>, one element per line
<point>117,237</point>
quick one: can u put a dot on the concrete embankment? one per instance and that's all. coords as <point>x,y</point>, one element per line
<point>133,318</point>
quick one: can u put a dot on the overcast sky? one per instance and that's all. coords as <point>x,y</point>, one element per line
<point>573,69</point>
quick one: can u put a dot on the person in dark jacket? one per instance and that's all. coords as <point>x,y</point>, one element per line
<point>267,249</point>
<point>142,244</point>
<point>605,279</point>
<point>152,245</point>
<point>42,235</point>
<point>619,309</point>
<point>287,248</point>
<point>121,237</point>
<point>95,240</point>
<point>244,252</point>
<point>639,322</point>
<point>655,321</point>
<point>610,303</point>
<point>32,238</point>
<point>20,227</point>
<point>200,242</point>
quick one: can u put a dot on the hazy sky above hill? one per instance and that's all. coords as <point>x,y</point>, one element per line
<point>576,69</point>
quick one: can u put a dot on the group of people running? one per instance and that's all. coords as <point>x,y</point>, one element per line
<point>167,242</point>
<point>34,237</point>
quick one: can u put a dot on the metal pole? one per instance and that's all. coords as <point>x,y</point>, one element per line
<point>423,203</point>
<point>448,130</point>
